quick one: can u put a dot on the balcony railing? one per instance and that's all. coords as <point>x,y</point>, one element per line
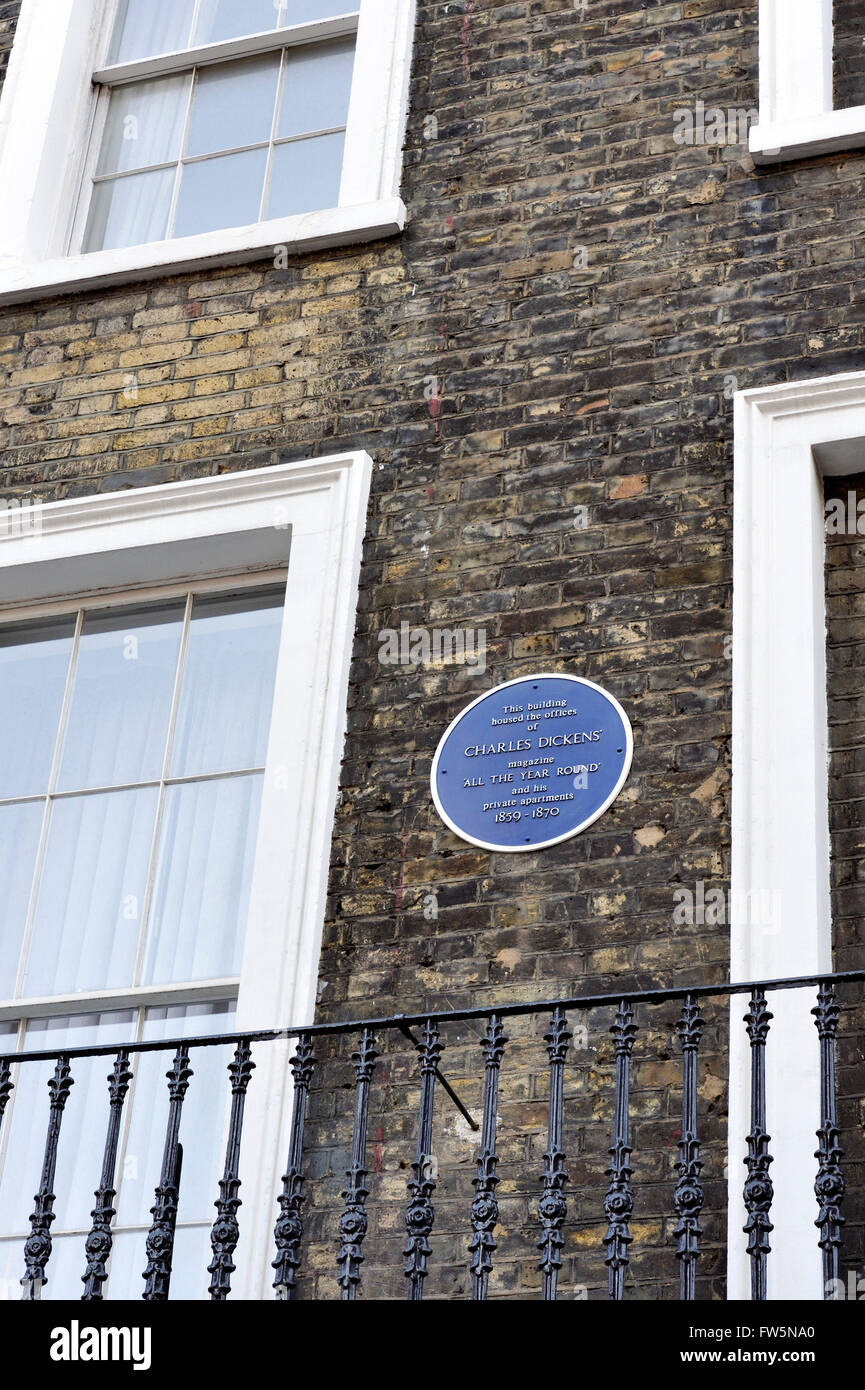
<point>343,1091</point>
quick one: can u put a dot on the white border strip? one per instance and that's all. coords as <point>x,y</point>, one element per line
<point>780,822</point>
<point>541,844</point>
<point>314,514</point>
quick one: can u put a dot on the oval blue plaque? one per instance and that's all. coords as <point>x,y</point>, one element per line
<point>532,762</point>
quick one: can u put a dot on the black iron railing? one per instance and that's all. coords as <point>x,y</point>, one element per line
<point>482,1217</point>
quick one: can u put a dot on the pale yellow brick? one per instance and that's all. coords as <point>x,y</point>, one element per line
<point>87,424</point>
<point>222,323</point>
<point>221,342</point>
<point>258,376</point>
<point>140,458</point>
<point>207,405</point>
<point>134,395</point>
<point>28,376</point>
<point>267,395</point>
<point>275,337</point>
<point>201,366</point>
<point>157,434</point>
<point>257,419</point>
<point>151,415</point>
<point>109,348</point>
<point>164,333</point>
<point>143,357</point>
<point>225,283</point>
<point>169,313</point>
<point>212,385</point>
<point>215,424</point>
<point>196,449</point>
<point>92,444</point>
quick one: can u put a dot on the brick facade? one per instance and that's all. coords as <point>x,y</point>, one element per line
<point>845,587</point>
<point>503,380</point>
<point>849,53</point>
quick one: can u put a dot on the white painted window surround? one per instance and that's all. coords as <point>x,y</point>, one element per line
<point>311,517</point>
<point>47,109</point>
<point>786,438</point>
<point>797,118</point>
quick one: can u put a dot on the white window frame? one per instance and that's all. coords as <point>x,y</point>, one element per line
<point>797,117</point>
<point>48,108</point>
<point>310,516</point>
<point>786,438</point>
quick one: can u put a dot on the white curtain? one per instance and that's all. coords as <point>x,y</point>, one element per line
<point>147,27</point>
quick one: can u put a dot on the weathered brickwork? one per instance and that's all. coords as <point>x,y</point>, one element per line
<point>845,600</point>
<point>8,18</point>
<point>849,55</point>
<point>554,340</point>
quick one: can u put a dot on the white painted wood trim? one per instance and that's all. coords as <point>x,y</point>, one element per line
<point>784,437</point>
<point>46,115</point>
<point>795,59</point>
<point>797,119</point>
<point>769,143</point>
<point>312,231</point>
<point>116,73</point>
<point>313,516</point>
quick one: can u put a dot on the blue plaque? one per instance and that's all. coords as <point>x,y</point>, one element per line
<point>532,762</point>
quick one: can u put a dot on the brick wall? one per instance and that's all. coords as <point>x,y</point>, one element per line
<point>845,603</point>
<point>565,380</point>
<point>8,19</point>
<point>849,57</point>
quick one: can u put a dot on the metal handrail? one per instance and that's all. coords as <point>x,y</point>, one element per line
<point>417,1020</point>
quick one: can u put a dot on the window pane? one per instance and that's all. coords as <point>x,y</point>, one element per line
<point>147,27</point>
<point>233,105</point>
<point>64,1270</point>
<point>316,88</point>
<point>204,1110</point>
<point>220,193</point>
<point>191,1255</point>
<point>19,841</point>
<point>145,124</point>
<point>88,911</point>
<point>305,175</point>
<point>129,211</point>
<point>229,19</point>
<point>33,666</point>
<point>11,1268</point>
<point>226,700</point>
<point>302,11</point>
<point>204,871</point>
<point>85,1119</point>
<point>121,698</point>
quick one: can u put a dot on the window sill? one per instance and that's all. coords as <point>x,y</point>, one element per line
<point>344,226</point>
<point>772,143</point>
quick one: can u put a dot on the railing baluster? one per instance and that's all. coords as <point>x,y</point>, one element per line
<point>619,1201</point>
<point>37,1249</point>
<point>485,1210</point>
<point>99,1241</point>
<point>689,1192</point>
<point>225,1232</point>
<point>160,1237</point>
<point>7,1086</point>
<point>830,1185</point>
<point>288,1231</point>
<point>758,1191</point>
<point>419,1214</point>
<point>552,1207</point>
<point>353,1222</point>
